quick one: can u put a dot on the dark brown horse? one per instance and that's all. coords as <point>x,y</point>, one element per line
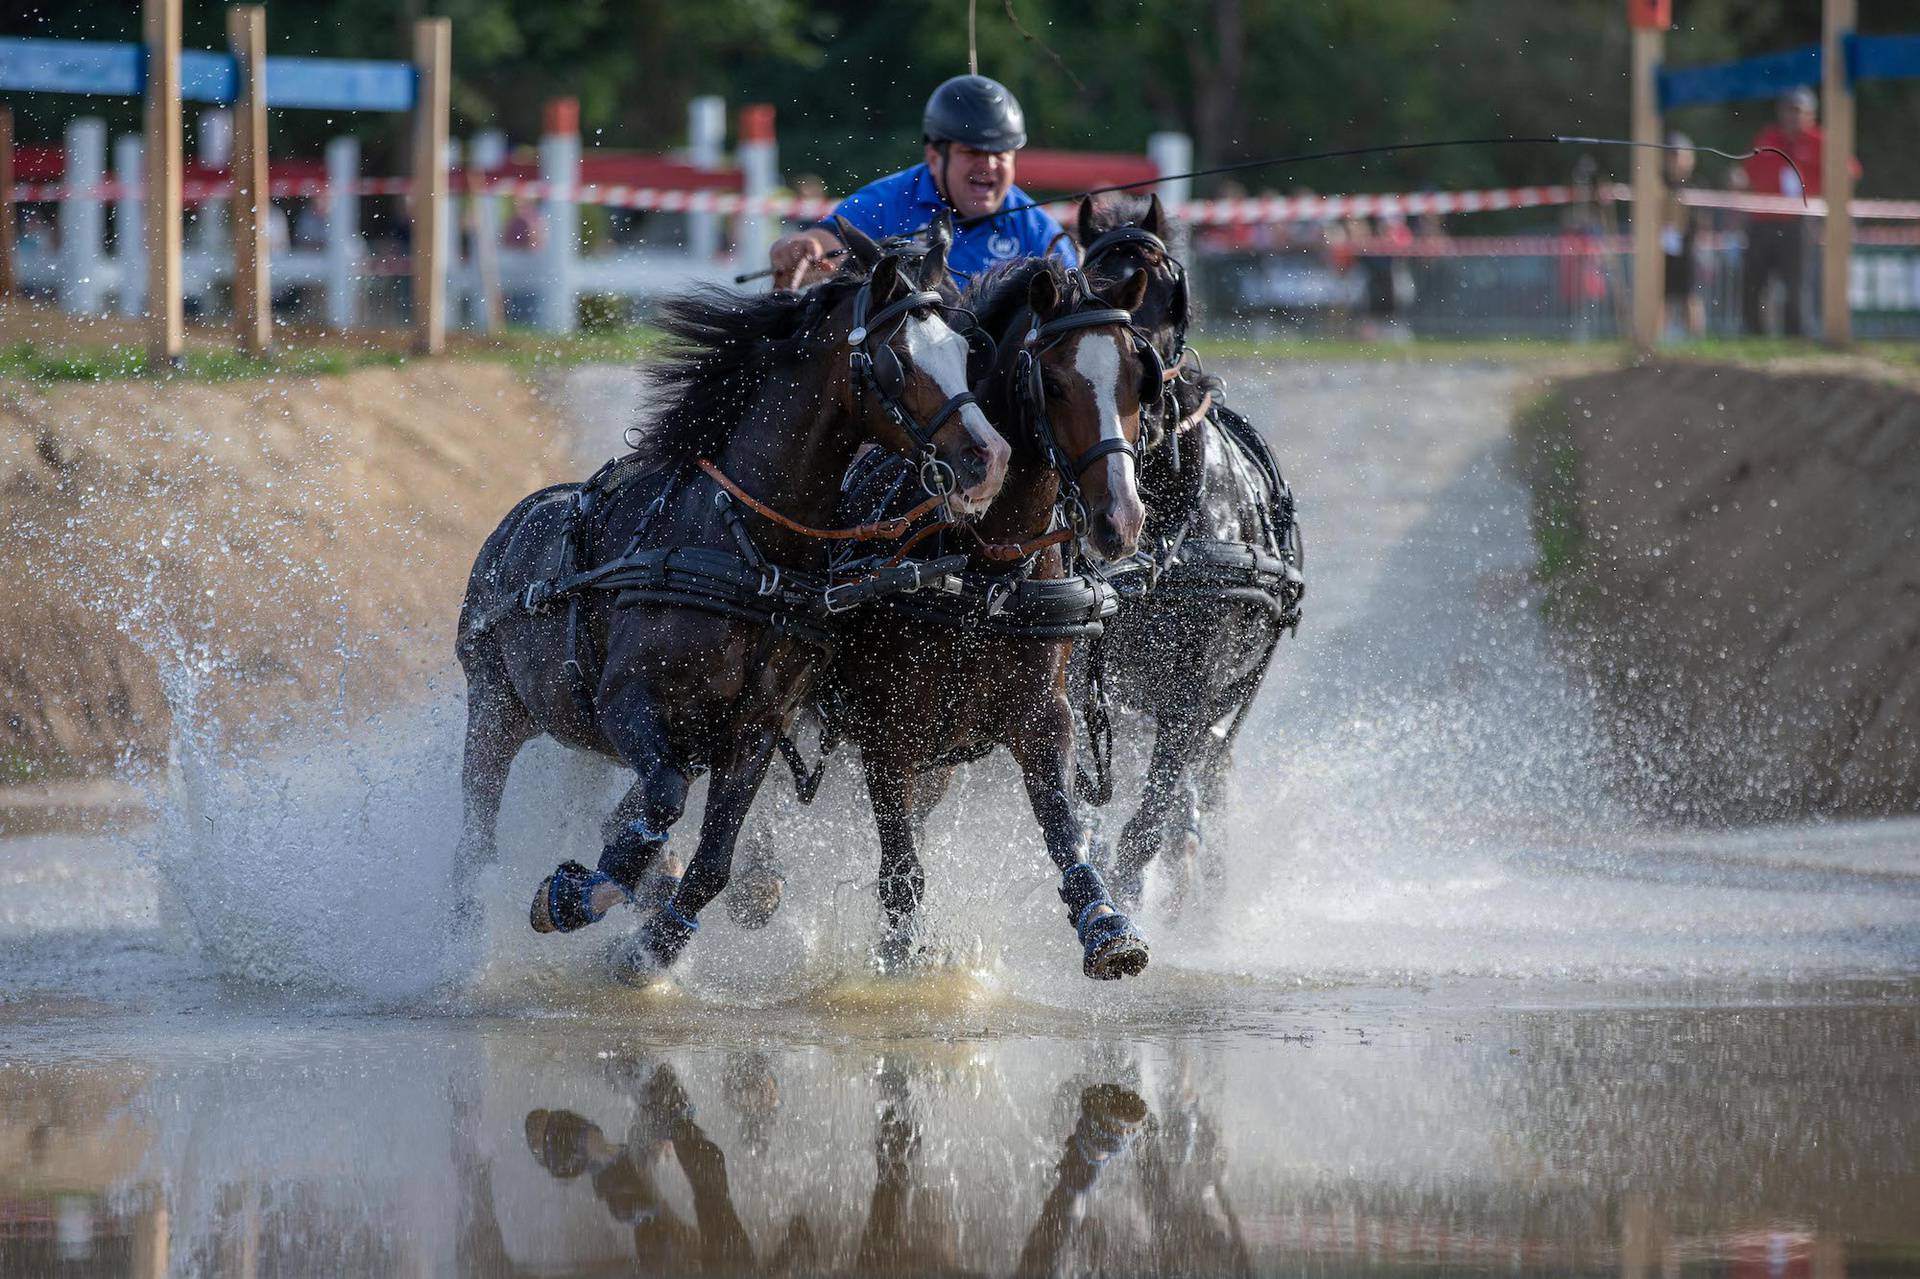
<point>926,684</point>
<point>666,613</point>
<point>1221,565</point>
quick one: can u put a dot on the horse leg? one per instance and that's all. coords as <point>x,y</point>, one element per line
<point>902,879</point>
<point>1043,748</point>
<point>730,792</point>
<point>758,885</point>
<point>498,725</point>
<point>1150,828</point>
<point>573,896</point>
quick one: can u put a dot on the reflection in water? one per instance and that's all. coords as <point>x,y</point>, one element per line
<point>1656,1140</point>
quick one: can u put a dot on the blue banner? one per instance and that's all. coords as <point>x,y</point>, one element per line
<point>1767,76</point>
<point>208,77</point>
<point>339,84</point>
<point>32,65</point>
<point>1882,58</point>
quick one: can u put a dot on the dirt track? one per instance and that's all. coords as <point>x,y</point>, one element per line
<point>270,546</point>
<point>1742,579</point>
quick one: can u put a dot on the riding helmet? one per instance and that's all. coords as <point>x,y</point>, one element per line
<point>975,112</point>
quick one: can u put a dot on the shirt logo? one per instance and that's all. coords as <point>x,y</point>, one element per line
<point>1003,245</point>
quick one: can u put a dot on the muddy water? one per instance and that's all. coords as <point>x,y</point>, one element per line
<point>1447,1006</point>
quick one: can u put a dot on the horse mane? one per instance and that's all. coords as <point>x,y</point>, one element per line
<point>722,346</point>
<point>1110,214</point>
<point>999,293</point>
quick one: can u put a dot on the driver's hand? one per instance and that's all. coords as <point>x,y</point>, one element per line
<point>794,257</point>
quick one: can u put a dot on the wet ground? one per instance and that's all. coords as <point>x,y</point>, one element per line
<point>1449,1007</point>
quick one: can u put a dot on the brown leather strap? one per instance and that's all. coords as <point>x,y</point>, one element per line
<point>1194,418</point>
<point>896,526</point>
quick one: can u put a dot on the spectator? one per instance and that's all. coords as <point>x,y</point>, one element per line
<point>1777,242</point>
<point>1679,240</point>
<point>525,229</point>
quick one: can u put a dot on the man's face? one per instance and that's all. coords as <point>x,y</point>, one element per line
<point>1795,117</point>
<point>975,182</point>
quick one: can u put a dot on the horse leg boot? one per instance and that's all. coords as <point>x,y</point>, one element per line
<point>635,855</point>
<point>903,881</point>
<point>667,931</point>
<point>1110,945</point>
<point>498,725</point>
<point>1150,828</point>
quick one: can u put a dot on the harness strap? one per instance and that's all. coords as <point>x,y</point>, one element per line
<point>895,526</point>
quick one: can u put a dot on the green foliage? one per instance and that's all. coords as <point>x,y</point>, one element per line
<point>1544,432</point>
<point>32,362</point>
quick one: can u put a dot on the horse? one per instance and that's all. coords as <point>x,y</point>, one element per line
<point>667,615</point>
<point>1220,580</point>
<point>925,683</point>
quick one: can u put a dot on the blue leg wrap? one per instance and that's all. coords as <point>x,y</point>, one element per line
<point>1110,946</point>
<point>667,933</point>
<point>570,896</point>
<point>633,850</point>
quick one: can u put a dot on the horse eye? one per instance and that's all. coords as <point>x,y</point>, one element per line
<point>1054,388</point>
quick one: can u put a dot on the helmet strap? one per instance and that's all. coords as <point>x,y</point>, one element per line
<point>945,183</point>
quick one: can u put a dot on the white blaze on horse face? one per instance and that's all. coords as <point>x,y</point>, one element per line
<point>1097,359</point>
<point>939,352</point>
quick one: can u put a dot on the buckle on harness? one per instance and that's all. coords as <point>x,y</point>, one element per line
<point>769,586</point>
<point>537,596</point>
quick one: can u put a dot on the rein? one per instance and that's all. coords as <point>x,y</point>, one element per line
<point>892,527</point>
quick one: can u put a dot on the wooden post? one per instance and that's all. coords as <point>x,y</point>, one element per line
<point>433,59</point>
<point>6,203</point>
<point>1649,262</point>
<point>252,202</point>
<point>1836,173</point>
<point>164,305</point>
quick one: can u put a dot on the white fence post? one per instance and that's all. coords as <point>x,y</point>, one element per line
<point>214,149</point>
<point>83,220</point>
<point>560,171</point>
<point>343,230</point>
<point>485,154</point>
<point>759,158</point>
<point>129,224</point>
<point>1172,153</point>
<point>706,141</point>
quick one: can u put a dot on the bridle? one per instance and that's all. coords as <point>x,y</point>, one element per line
<point>876,369</point>
<point>1181,312</point>
<point>1030,395</point>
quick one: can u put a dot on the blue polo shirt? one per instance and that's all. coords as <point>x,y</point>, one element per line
<point>908,200</point>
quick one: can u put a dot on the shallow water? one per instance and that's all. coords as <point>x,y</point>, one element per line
<point>1448,1006</point>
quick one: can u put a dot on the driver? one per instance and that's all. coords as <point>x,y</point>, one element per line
<point>971,129</point>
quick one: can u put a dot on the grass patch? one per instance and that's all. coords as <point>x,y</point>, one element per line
<point>1552,466</point>
<point>1231,346</point>
<point>34,362</point>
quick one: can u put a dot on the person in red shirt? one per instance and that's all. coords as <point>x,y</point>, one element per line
<point>1777,242</point>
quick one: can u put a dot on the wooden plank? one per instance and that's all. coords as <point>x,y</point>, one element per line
<point>252,204</point>
<point>7,274</point>
<point>161,21</point>
<point>433,59</point>
<point>1836,176</point>
<point>1649,263</point>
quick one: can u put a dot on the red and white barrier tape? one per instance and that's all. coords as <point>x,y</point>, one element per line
<point>1252,211</point>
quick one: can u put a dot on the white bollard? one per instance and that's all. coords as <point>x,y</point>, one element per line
<point>83,219</point>
<point>130,224</point>
<point>343,231</point>
<point>1172,153</point>
<point>759,157</point>
<point>560,170</point>
<point>485,154</point>
<point>706,142</point>
<point>213,231</point>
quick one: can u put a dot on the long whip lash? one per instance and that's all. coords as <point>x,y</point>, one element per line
<point>1551,139</point>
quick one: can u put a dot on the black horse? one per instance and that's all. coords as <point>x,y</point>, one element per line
<point>1219,576</point>
<point>927,682</point>
<point>671,611</point>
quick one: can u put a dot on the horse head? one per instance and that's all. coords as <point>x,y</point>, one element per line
<point>907,373</point>
<point>1078,375</point>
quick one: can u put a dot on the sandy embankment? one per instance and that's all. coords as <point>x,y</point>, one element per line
<point>1734,552</point>
<point>302,542</point>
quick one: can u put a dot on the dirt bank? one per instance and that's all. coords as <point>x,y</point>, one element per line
<point>294,544</point>
<point>1733,552</point>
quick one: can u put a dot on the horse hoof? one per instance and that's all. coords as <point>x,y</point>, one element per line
<point>755,898</point>
<point>566,900</point>
<point>652,950</point>
<point>1112,948</point>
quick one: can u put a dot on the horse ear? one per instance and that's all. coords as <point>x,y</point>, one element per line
<point>933,271</point>
<point>1087,231</point>
<point>1043,294</point>
<point>863,249</point>
<point>1133,292</point>
<point>1156,219</point>
<point>886,278</point>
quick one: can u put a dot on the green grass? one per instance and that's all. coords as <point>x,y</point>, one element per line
<point>1506,350</point>
<point>32,362</point>
<point>1552,465</point>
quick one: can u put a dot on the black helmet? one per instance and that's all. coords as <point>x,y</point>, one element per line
<point>976,112</point>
